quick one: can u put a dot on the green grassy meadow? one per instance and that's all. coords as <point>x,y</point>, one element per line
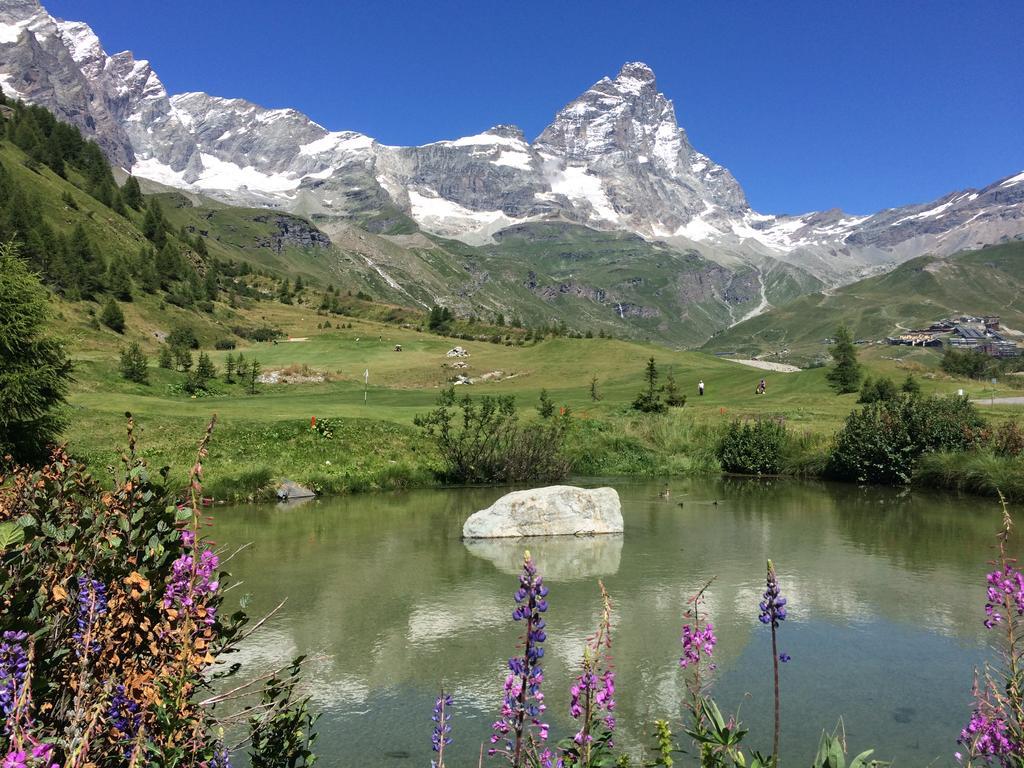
<point>264,437</point>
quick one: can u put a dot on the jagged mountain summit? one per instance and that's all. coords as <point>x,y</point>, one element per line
<point>614,159</point>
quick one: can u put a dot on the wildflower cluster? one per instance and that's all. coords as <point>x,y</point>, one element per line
<point>597,693</point>
<point>38,755</point>
<point>92,603</point>
<point>100,670</point>
<point>995,731</point>
<point>773,606</point>
<point>442,727</point>
<point>987,736</point>
<point>124,718</point>
<point>697,641</point>
<point>193,581</point>
<point>523,701</point>
<point>1005,592</point>
<point>13,670</point>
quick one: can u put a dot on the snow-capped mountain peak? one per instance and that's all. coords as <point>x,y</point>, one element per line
<point>613,158</point>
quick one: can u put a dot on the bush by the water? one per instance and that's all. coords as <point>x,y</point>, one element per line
<point>753,447</point>
<point>881,442</point>
<point>482,441</point>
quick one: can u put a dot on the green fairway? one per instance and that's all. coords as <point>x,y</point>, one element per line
<point>267,436</point>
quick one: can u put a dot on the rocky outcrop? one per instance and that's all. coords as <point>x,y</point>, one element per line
<point>558,510</point>
<point>294,232</point>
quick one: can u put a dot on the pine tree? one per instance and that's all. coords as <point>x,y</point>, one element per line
<point>241,368</point>
<point>284,294</point>
<point>846,373</point>
<point>36,369</point>
<point>154,227</point>
<point>545,407</point>
<point>168,264</point>
<point>87,267</point>
<point>205,369</point>
<point>210,286</point>
<point>649,401</point>
<point>134,365</point>
<point>183,359</point>
<point>254,373</point>
<point>299,284</point>
<point>145,269</point>
<point>112,316</point>
<point>166,357</point>
<point>119,280</point>
<point>673,397</point>
<point>132,194</point>
<point>229,369</point>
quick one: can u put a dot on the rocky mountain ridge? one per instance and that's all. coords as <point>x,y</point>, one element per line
<point>614,159</point>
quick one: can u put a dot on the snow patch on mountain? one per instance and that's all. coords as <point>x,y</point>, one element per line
<point>444,217</point>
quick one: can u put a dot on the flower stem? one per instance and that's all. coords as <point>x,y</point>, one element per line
<point>778,728</point>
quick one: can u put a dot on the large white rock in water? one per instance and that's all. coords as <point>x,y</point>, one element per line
<point>559,510</point>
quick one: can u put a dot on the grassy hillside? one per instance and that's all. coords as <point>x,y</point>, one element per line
<point>988,281</point>
<point>266,436</point>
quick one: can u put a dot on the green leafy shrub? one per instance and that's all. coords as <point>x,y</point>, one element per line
<point>223,344</point>
<point>968,363</point>
<point>753,447</point>
<point>873,390</point>
<point>1008,439</point>
<point>881,442</point>
<point>182,336</point>
<point>482,441</point>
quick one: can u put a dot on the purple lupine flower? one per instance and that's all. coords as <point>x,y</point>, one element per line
<point>221,756</point>
<point>785,657</point>
<point>523,702</point>
<point>13,669</point>
<point>16,759</point>
<point>442,727</point>
<point>92,603</point>
<point>124,716</point>
<point>192,581</point>
<point>697,642</point>
<point>988,737</point>
<point>1005,588</point>
<point>773,607</point>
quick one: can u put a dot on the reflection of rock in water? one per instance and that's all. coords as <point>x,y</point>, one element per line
<point>561,558</point>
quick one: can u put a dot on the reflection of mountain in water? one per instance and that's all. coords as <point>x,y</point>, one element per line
<point>559,558</point>
<point>398,604</point>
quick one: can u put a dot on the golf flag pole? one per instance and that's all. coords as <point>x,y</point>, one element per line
<point>366,383</point>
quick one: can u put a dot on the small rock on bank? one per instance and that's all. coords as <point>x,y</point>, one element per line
<point>288,490</point>
<point>558,510</point>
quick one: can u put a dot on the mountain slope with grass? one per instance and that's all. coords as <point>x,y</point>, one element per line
<point>989,281</point>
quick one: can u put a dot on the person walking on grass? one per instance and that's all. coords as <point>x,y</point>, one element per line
<point>762,387</point>
<point>700,387</point>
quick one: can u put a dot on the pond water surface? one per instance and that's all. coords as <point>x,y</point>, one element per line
<point>885,592</point>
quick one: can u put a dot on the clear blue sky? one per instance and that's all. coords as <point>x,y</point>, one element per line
<point>862,105</point>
